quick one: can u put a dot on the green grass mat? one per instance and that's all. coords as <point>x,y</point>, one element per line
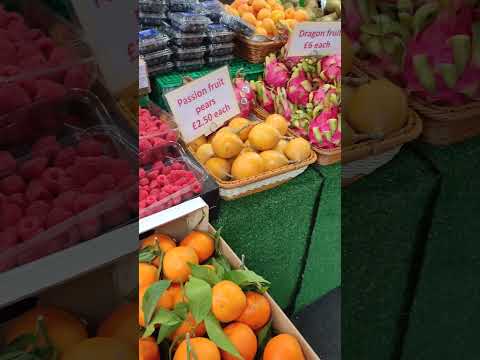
<point>323,267</point>
<point>272,230</point>
<point>445,317</point>
<point>382,223</point>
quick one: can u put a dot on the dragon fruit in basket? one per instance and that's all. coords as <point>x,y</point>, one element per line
<point>245,95</point>
<point>265,96</point>
<point>442,62</point>
<point>325,130</point>
<point>329,68</point>
<point>276,74</point>
<point>299,88</point>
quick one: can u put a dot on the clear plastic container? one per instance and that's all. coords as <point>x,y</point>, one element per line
<point>153,6</point>
<point>151,19</point>
<point>220,49</point>
<point>213,9</point>
<point>182,5</point>
<point>217,61</point>
<point>161,68</point>
<point>152,40</point>
<point>63,61</point>
<point>189,22</point>
<point>158,57</point>
<point>237,25</point>
<point>190,53</point>
<point>77,109</point>
<point>189,65</point>
<point>88,186</point>
<point>185,39</point>
<point>218,33</point>
<point>167,177</point>
<point>151,119</point>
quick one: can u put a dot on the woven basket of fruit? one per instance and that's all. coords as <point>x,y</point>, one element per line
<point>435,58</point>
<point>256,51</point>
<point>249,156</point>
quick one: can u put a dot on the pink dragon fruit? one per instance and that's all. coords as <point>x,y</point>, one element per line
<point>325,130</point>
<point>329,68</point>
<point>244,87</point>
<point>325,96</point>
<point>276,74</point>
<point>443,61</point>
<point>243,102</point>
<point>282,105</point>
<point>289,61</point>
<point>264,95</point>
<point>299,88</point>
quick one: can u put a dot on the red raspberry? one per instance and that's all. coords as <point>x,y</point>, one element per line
<point>12,184</point>
<point>171,136</point>
<point>18,199</point>
<point>152,175</point>
<point>65,157</point>
<point>177,200</point>
<point>7,163</point>
<point>154,192</point>
<point>28,227</point>
<point>181,182</point>
<point>144,182</point>
<point>39,208</point>
<point>89,229</point>
<point>158,166</point>
<point>153,184</point>
<point>8,239</point>
<point>90,147</point>
<point>57,216</point>
<point>37,191</point>
<point>54,179</point>
<point>150,200</point>
<point>141,173</point>
<point>144,145</point>
<point>178,166</point>
<point>66,200</point>
<point>11,214</point>
<point>142,204</point>
<point>168,189</point>
<point>162,180</point>
<point>46,147</point>
<point>166,170</point>
<point>145,157</point>
<point>162,195</point>
<point>172,177</point>
<point>197,188</point>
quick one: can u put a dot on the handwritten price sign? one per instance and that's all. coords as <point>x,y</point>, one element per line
<point>202,106</point>
<point>315,39</point>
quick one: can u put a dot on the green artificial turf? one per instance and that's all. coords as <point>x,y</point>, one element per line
<point>383,223</point>
<point>323,266</point>
<point>445,317</point>
<point>272,229</point>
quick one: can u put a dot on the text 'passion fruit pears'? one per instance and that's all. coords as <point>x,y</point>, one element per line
<point>377,108</point>
<point>246,165</point>
<point>264,137</point>
<point>226,144</point>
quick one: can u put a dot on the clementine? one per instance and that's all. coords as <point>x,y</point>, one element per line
<point>121,324</point>
<point>244,340</point>
<point>203,348</point>
<point>258,311</point>
<point>281,347</point>
<point>176,263</point>
<point>189,326</point>
<point>202,243</point>
<point>147,274</point>
<point>148,349</point>
<point>228,301</point>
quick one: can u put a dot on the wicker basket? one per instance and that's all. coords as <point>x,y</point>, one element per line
<point>255,52</point>
<point>235,189</point>
<point>442,125</point>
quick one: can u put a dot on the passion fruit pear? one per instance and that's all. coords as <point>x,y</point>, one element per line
<point>204,153</point>
<point>247,165</point>
<point>226,144</point>
<point>282,144</point>
<point>264,137</point>
<point>298,149</point>
<point>273,159</point>
<point>377,108</point>
<point>241,126</point>
<point>195,144</point>
<point>218,167</point>
<point>278,122</point>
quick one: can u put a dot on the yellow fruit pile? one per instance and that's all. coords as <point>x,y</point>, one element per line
<point>267,15</point>
<point>194,273</point>
<point>244,149</point>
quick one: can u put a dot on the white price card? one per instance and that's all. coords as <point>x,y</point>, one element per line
<point>316,39</point>
<point>143,80</point>
<point>108,27</point>
<point>203,105</point>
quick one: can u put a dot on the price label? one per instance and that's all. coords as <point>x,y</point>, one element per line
<point>143,80</point>
<point>111,30</point>
<point>203,105</point>
<point>316,39</point>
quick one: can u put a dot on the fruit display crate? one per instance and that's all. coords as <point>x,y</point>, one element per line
<point>162,84</point>
<point>196,217</point>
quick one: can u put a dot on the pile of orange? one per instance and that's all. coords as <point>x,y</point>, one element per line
<point>267,15</point>
<point>242,314</point>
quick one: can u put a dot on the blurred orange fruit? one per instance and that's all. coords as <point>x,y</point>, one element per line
<point>290,13</point>
<point>148,349</point>
<point>244,340</point>
<point>269,25</point>
<point>277,15</point>
<point>228,301</point>
<point>258,311</point>
<point>176,263</point>
<point>203,348</point>
<point>260,30</point>
<point>301,15</point>
<point>147,274</point>
<point>164,242</point>
<point>283,346</point>
<point>249,18</point>
<point>264,13</point>
<point>121,324</point>
<point>258,5</point>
